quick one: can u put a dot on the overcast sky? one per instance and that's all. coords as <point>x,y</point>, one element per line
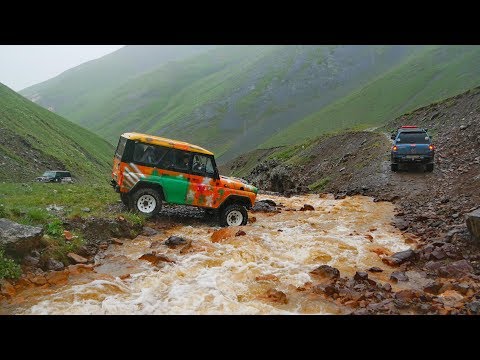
<point>24,65</point>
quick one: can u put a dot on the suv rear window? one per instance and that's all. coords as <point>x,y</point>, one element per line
<point>120,147</point>
<point>413,138</point>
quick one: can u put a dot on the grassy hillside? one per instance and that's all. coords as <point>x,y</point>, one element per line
<point>33,139</point>
<point>232,99</point>
<point>432,75</point>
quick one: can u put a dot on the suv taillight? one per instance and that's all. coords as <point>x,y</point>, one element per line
<point>395,148</point>
<point>431,147</point>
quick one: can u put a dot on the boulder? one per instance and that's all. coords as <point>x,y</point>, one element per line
<point>263,206</point>
<point>155,258</point>
<point>53,264</point>
<point>326,272</point>
<point>398,276</point>
<point>77,259</point>
<point>456,269</point>
<point>174,241</point>
<point>17,239</point>
<point>473,223</point>
<point>276,296</point>
<point>400,257</point>
<point>307,207</point>
<point>148,231</point>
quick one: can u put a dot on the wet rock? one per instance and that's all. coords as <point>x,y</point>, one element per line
<point>360,275</point>
<point>455,269</point>
<point>473,224</point>
<point>124,276</point>
<point>38,280</point>
<point>224,233</point>
<point>340,196</point>
<point>17,239</point>
<point>79,268</point>
<point>406,295</point>
<point>155,258</point>
<point>252,219</point>
<point>269,277</point>
<point>439,254</point>
<point>117,241</point>
<point>240,233</point>
<point>57,277</point>
<point>326,272</point>
<point>54,208</point>
<point>433,287</point>
<point>400,257</point>
<point>450,297</point>
<point>387,287</point>
<point>369,237</point>
<point>262,206</point>
<point>86,209</point>
<point>53,264</point>
<point>67,235</point>
<point>77,259</point>
<point>269,202</point>
<point>276,296</point>
<point>148,231</point>
<point>398,276</point>
<point>174,241</point>
<point>307,207</point>
<point>31,261</point>
<point>7,289</point>
<point>103,246</point>
<point>473,307</point>
<point>462,288</point>
<point>375,269</point>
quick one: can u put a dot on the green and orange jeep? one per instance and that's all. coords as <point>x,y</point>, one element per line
<point>149,170</point>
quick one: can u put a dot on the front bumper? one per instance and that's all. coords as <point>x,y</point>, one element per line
<point>115,186</point>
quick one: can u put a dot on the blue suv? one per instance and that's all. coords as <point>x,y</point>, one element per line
<point>411,145</point>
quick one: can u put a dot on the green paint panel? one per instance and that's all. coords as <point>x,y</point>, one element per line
<point>174,187</point>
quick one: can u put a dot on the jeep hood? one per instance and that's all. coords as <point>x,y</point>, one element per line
<point>237,183</point>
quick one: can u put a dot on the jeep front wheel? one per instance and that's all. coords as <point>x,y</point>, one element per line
<point>234,215</point>
<point>147,202</point>
<point>125,199</point>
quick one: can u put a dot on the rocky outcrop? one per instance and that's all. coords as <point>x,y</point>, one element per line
<point>473,223</point>
<point>19,240</point>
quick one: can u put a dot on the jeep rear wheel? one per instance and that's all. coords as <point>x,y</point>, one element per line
<point>394,167</point>
<point>429,167</point>
<point>146,201</point>
<point>234,215</point>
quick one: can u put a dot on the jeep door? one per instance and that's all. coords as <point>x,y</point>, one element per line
<point>176,179</point>
<point>202,188</point>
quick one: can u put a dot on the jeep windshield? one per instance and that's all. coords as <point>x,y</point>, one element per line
<point>413,138</point>
<point>49,174</point>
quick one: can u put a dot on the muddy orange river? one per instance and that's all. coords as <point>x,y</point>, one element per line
<point>222,278</point>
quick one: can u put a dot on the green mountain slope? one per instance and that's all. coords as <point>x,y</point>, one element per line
<point>33,139</point>
<point>435,74</point>
<point>232,99</point>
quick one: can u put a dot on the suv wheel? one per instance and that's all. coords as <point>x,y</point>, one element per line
<point>234,215</point>
<point>394,167</point>
<point>146,201</point>
<point>429,167</point>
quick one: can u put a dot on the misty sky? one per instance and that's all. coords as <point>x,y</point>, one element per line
<point>24,65</point>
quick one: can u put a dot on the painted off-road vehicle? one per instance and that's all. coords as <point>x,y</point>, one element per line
<point>411,145</point>
<point>55,176</point>
<point>150,170</point>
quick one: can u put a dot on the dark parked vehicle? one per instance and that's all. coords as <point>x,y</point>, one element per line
<point>412,145</point>
<point>55,176</point>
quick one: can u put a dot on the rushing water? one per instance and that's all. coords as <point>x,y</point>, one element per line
<point>220,278</point>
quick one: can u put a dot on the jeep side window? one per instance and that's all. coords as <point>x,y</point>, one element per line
<point>202,165</point>
<point>176,160</point>
<point>149,155</point>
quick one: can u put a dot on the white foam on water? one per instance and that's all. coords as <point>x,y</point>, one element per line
<point>221,279</point>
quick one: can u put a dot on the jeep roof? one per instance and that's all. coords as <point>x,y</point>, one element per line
<point>156,140</point>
